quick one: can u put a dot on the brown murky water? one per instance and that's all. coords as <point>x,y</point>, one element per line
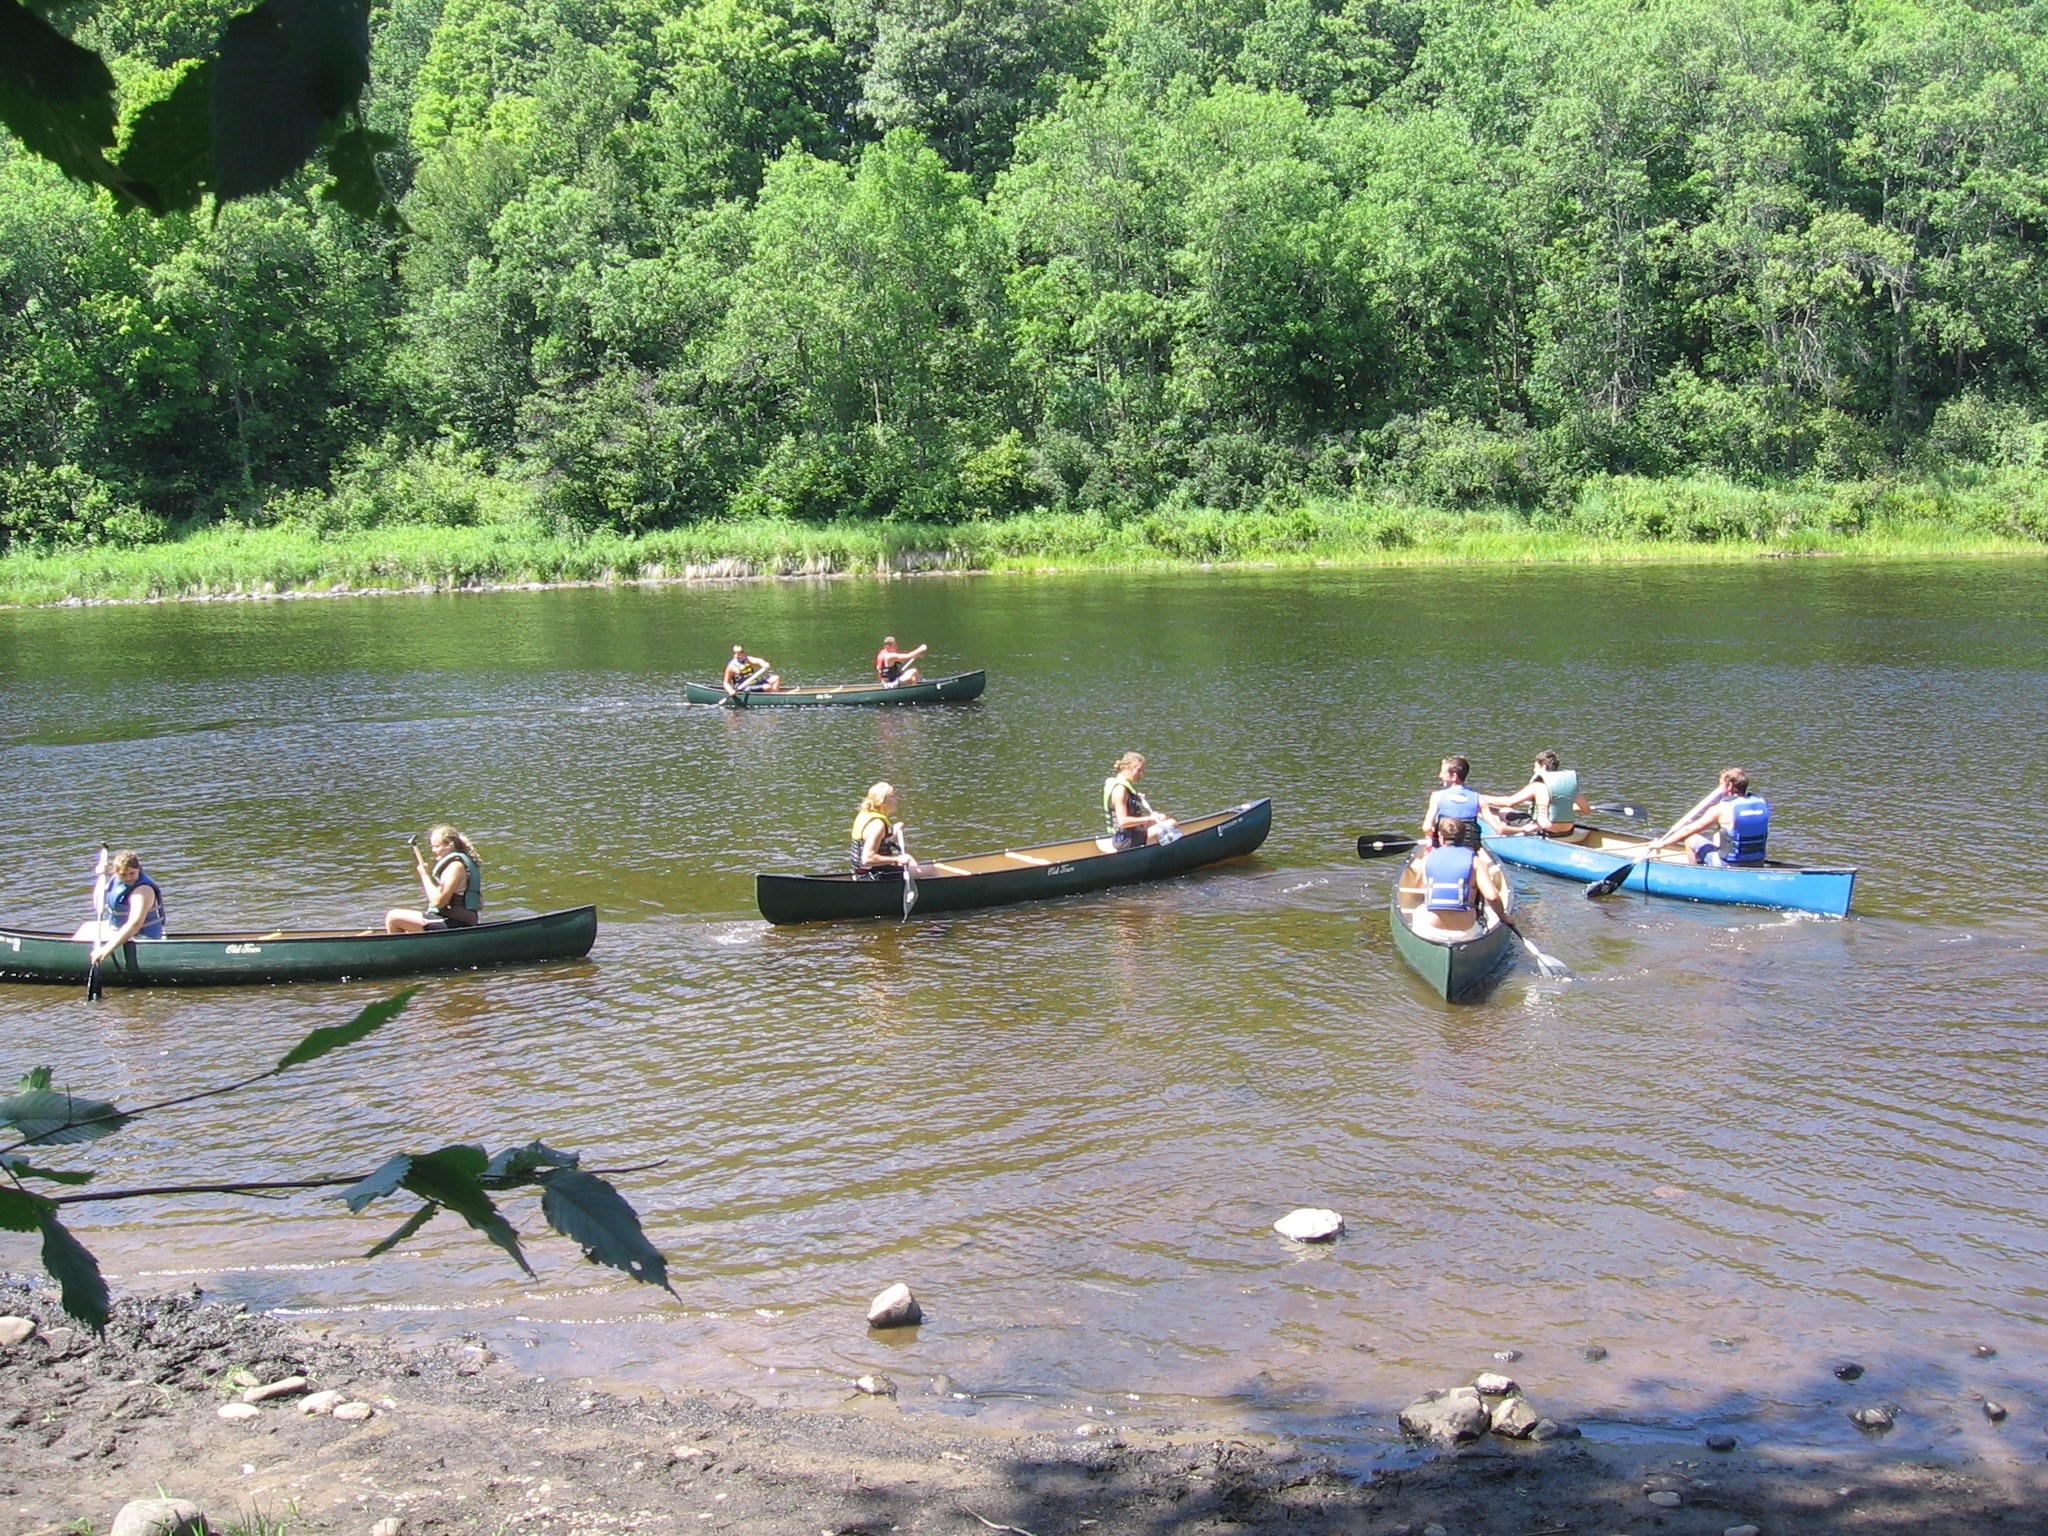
<point>1733,1150</point>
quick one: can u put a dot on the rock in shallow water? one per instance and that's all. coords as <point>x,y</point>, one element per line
<point>874,1386</point>
<point>1720,1442</point>
<point>1878,1417</point>
<point>1995,1412</point>
<point>1493,1384</point>
<point>1448,1418</point>
<point>1849,1371</point>
<point>1310,1224</point>
<point>1514,1419</point>
<point>1664,1498</point>
<point>895,1308</point>
<point>159,1517</point>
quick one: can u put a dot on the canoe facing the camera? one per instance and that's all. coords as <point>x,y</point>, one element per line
<point>1456,971</point>
<point>1014,875</point>
<point>938,690</point>
<point>1788,887</point>
<point>236,959</point>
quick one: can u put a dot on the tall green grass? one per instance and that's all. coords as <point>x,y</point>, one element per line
<point>1613,520</point>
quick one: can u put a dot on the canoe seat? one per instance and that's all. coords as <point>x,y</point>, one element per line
<point>951,869</point>
<point>1107,845</point>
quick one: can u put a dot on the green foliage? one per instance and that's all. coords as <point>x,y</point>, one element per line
<point>579,1204</point>
<point>668,262</point>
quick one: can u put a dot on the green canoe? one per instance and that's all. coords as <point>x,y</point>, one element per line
<point>232,959</point>
<point>940,690</point>
<point>1456,970</point>
<point>1016,874</point>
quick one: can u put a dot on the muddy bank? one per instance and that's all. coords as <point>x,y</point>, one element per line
<point>461,1443</point>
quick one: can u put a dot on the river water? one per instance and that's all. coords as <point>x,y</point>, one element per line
<point>1734,1150</point>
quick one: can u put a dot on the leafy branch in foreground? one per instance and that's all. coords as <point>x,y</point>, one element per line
<point>578,1203</point>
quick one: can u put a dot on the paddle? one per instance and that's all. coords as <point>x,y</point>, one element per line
<point>1549,965</point>
<point>1608,884</point>
<point>1632,812</point>
<point>1382,845</point>
<point>909,873</point>
<point>93,989</point>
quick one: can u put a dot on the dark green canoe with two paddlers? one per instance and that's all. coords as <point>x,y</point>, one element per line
<point>1016,874</point>
<point>234,959</point>
<point>940,690</point>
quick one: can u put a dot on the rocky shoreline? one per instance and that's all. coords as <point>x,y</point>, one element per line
<point>192,1400</point>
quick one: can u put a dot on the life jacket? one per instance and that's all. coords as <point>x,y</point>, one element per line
<point>115,910</point>
<point>1457,800</point>
<point>1749,827</point>
<point>471,896</point>
<point>887,671</point>
<point>1139,805</point>
<point>1564,794</point>
<point>744,672</point>
<point>889,842</point>
<point>1447,880</point>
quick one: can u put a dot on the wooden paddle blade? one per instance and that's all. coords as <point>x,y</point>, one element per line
<point>1382,845</point>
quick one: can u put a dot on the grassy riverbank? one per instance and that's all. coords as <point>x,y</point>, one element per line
<point>1613,520</point>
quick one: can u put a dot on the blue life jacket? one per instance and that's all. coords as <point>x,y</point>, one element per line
<point>1458,800</point>
<point>116,908</point>
<point>1749,827</point>
<point>1447,880</point>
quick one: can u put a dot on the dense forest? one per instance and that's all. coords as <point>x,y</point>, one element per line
<point>673,260</point>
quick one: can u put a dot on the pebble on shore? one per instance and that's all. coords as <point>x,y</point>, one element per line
<point>1310,1224</point>
<point>15,1331</point>
<point>895,1308</point>
<point>355,1413</point>
<point>238,1410</point>
<point>289,1386</point>
<point>322,1402</point>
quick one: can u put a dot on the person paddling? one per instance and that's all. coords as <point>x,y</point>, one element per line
<point>1729,827</point>
<point>1132,821</point>
<point>749,674</point>
<point>894,667</point>
<point>878,836</point>
<point>132,906</point>
<point>1458,885</point>
<point>453,887</point>
<point>1453,800</point>
<point>1552,796</point>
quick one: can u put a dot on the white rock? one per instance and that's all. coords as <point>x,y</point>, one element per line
<point>289,1386</point>
<point>875,1386</point>
<point>1310,1224</point>
<point>1514,1419</point>
<point>242,1376</point>
<point>1664,1498</point>
<point>1434,1530</point>
<point>894,1308</point>
<point>15,1331</point>
<point>159,1517</point>
<point>238,1410</point>
<point>390,1525</point>
<point>1493,1384</point>
<point>322,1402</point>
<point>355,1413</point>
<point>1742,1530</point>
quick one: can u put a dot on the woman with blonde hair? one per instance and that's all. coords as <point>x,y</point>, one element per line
<point>1132,821</point>
<point>878,837</point>
<point>453,887</point>
<point>131,907</point>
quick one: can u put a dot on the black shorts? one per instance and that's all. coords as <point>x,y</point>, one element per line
<point>878,872</point>
<point>1126,838</point>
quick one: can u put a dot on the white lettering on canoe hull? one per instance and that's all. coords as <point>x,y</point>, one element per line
<point>244,949</point>
<point>15,945</point>
<point>1060,869</point>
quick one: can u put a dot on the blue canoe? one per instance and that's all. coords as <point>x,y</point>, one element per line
<point>1672,873</point>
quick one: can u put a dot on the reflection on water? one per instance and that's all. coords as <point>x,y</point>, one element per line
<point>1732,1149</point>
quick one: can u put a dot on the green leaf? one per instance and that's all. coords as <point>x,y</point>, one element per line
<point>21,1211</point>
<point>284,69</point>
<point>21,1168</point>
<point>412,1224</point>
<point>384,1181</point>
<point>52,1119</point>
<point>356,187</point>
<point>587,1210</point>
<point>170,143</point>
<point>58,99</point>
<point>77,1273</point>
<point>512,1165</point>
<point>334,1037</point>
<point>449,1177</point>
<point>34,1080</point>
